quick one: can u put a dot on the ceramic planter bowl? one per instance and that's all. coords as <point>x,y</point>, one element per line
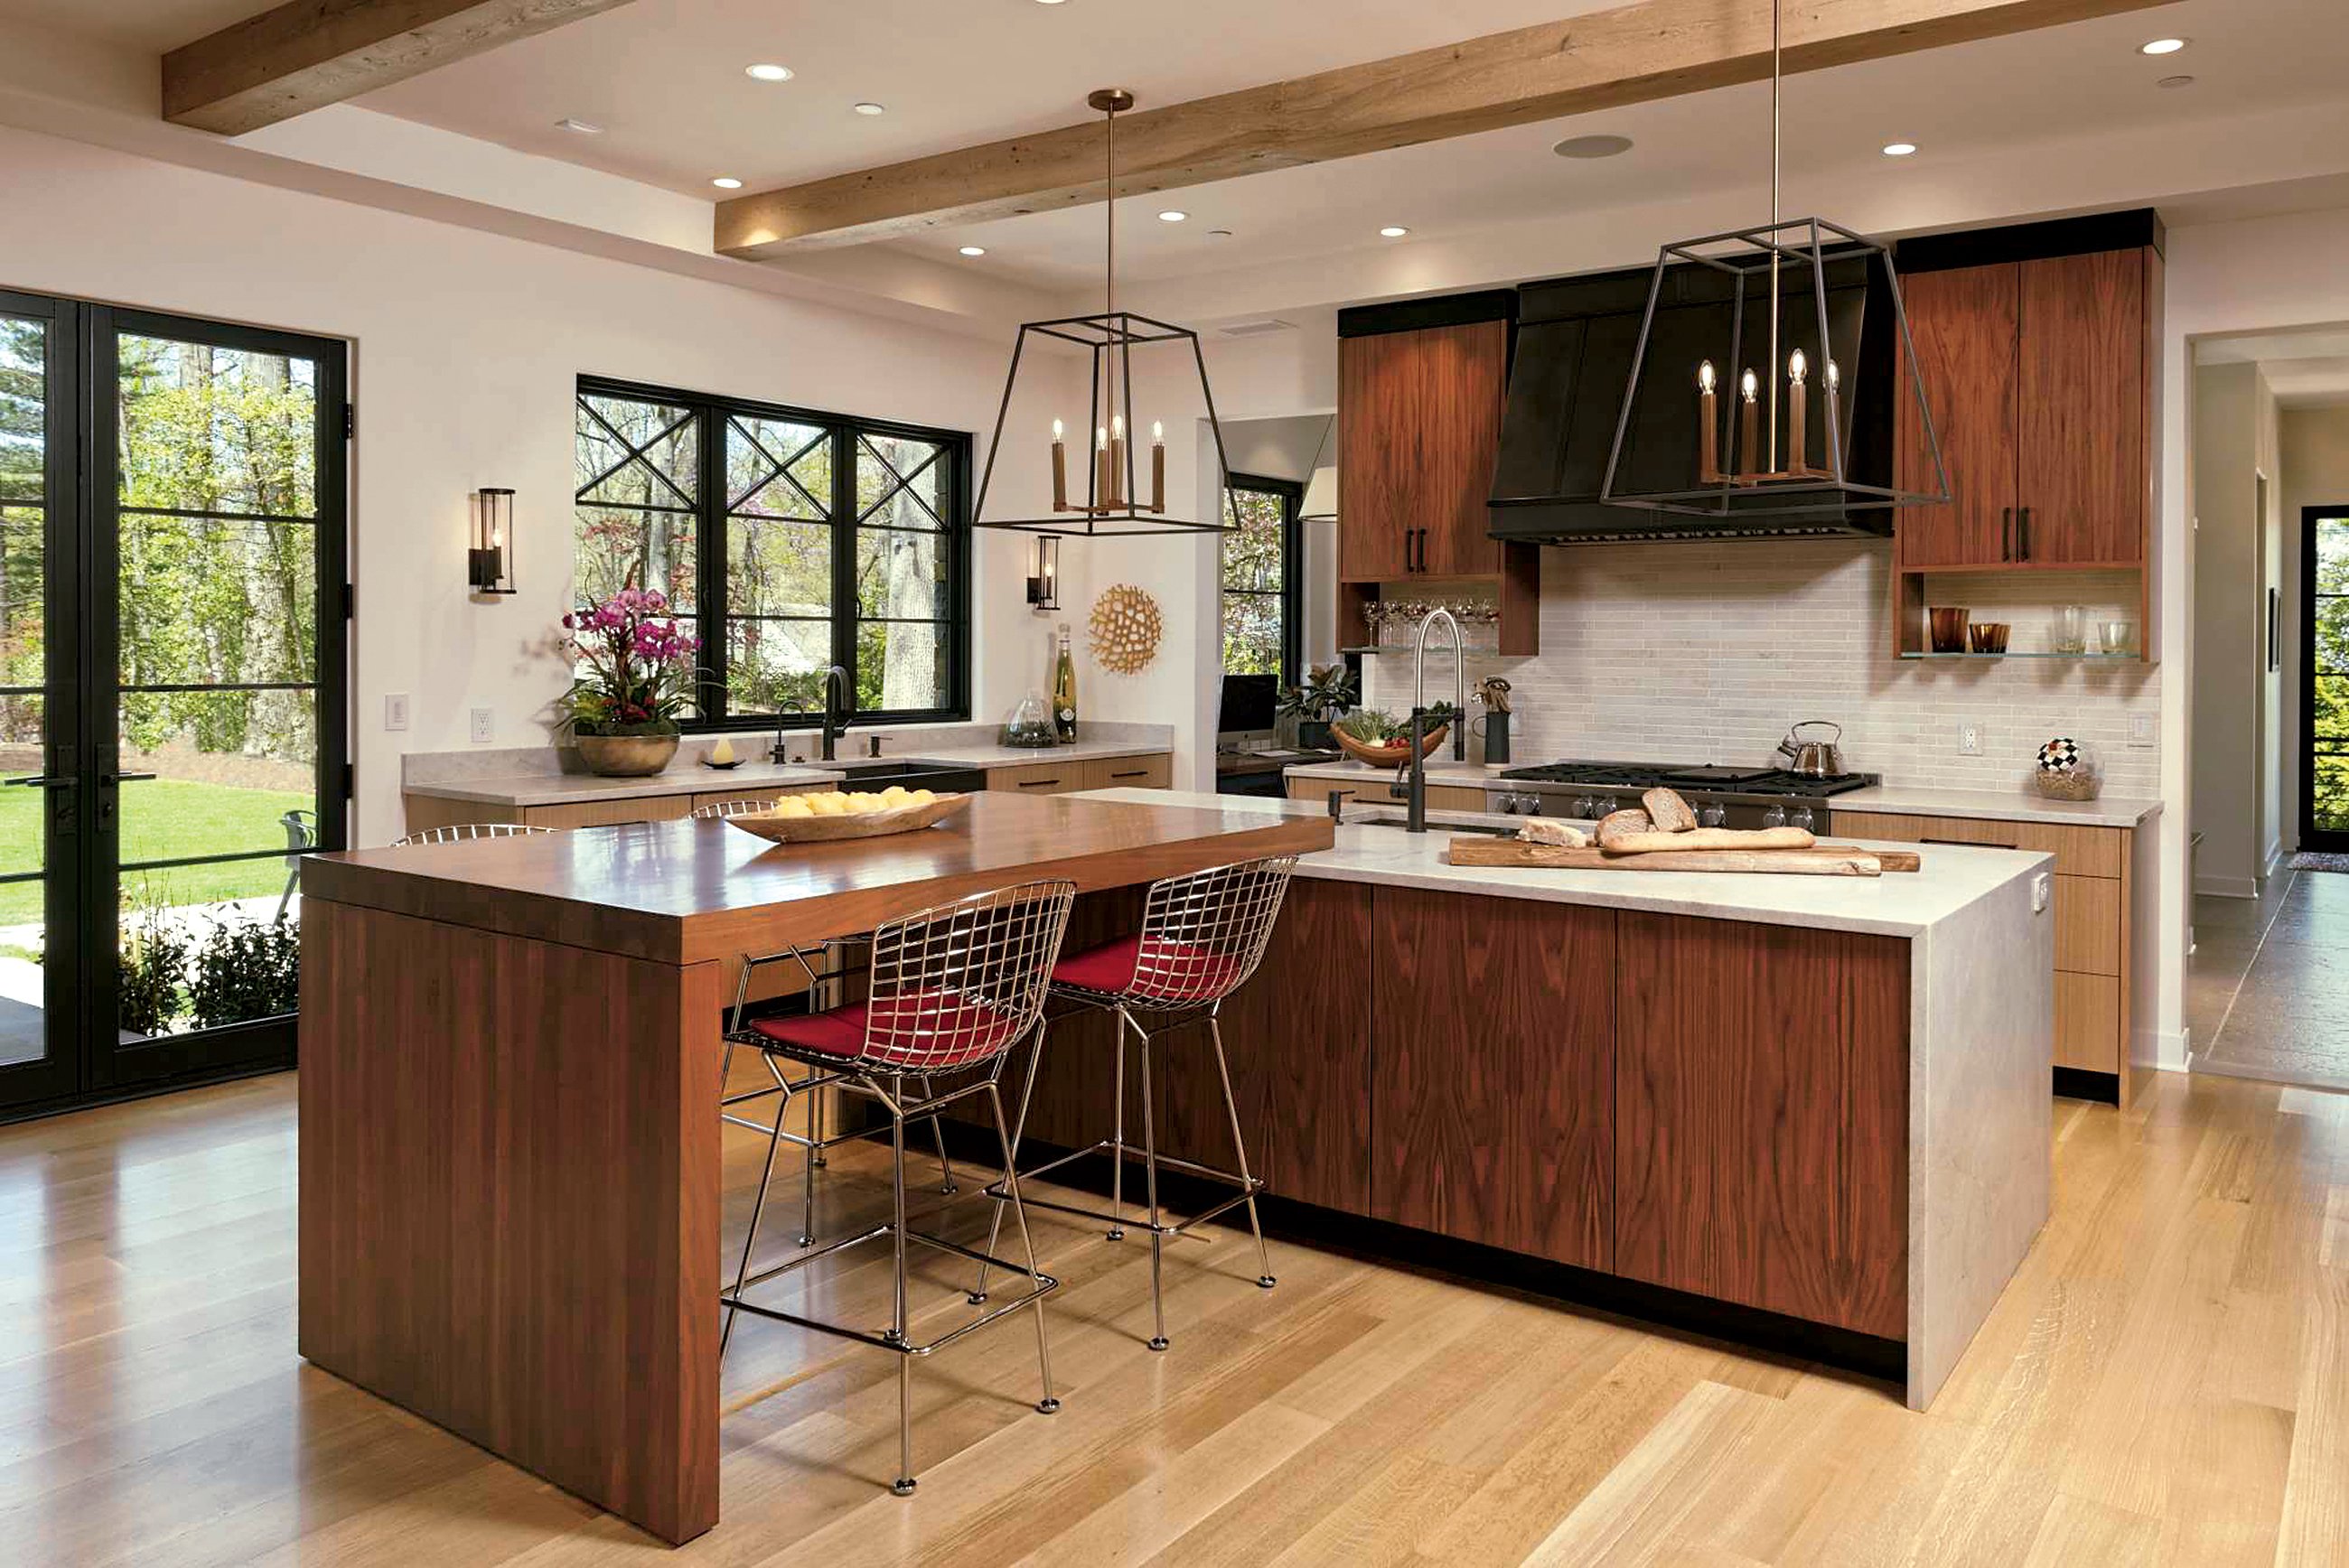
<point>625,756</point>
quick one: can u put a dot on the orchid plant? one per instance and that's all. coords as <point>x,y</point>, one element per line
<point>636,671</point>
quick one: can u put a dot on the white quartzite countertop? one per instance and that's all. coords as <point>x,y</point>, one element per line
<point>537,776</point>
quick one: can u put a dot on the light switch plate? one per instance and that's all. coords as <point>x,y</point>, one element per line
<point>1970,741</point>
<point>2145,729</point>
<point>484,725</point>
<point>395,710</point>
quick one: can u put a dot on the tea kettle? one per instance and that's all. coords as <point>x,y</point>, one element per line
<point>1814,758</point>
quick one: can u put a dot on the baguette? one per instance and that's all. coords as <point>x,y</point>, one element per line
<point>1632,841</point>
<point>1670,813</point>
<point>1541,830</point>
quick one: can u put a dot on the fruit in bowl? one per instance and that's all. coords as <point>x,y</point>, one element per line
<point>1374,735</point>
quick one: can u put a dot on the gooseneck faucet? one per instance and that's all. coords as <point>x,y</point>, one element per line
<point>1410,783</point>
<point>835,707</point>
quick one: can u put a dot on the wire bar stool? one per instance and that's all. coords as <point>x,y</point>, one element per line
<point>1202,937</point>
<point>723,808</point>
<point>460,831</point>
<point>954,988</point>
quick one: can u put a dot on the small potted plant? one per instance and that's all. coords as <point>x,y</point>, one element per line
<point>1327,691</point>
<point>635,675</point>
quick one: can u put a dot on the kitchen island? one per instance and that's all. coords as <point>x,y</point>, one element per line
<point>510,1048</point>
<point>1805,1111</point>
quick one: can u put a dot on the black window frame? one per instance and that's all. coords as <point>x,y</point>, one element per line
<point>1292,558</point>
<point>712,510</point>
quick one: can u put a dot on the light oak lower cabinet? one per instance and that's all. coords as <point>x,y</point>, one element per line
<point>1369,791</point>
<point>1152,772</point>
<point>2092,926</point>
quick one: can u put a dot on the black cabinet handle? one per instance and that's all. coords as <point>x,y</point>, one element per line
<point>2022,535</point>
<point>2006,533</point>
<point>1137,773</point>
<point>1038,783</point>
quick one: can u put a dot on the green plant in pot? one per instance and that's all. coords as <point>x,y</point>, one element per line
<point>637,673</point>
<point>1327,691</point>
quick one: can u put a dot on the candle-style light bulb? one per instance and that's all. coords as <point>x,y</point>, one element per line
<point>1101,438</point>
<point>1799,415</point>
<point>1117,426</point>
<point>1797,366</point>
<point>1158,432</point>
<point>1708,426</point>
<point>1059,467</point>
<point>1750,461</point>
<point>1750,386</point>
<point>1158,466</point>
<point>1058,430</point>
<point>1834,376</point>
<point>1705,378</point>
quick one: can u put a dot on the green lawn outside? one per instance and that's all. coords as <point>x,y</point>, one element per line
<point>162,819</point>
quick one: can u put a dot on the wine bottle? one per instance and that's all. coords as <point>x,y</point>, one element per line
<point>1064,691</point>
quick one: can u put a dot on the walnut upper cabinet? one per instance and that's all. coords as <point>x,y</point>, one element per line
<point>2039,376</point>
<point>1420,426</point>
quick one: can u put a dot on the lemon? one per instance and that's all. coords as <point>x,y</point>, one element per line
<point>793,806</point>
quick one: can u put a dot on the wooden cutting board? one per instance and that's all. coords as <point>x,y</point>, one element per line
<point>1821,859</point>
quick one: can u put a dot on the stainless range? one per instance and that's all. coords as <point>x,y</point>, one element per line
<point>1722,797</point>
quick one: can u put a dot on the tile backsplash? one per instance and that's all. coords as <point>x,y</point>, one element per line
<point>1706,653</point>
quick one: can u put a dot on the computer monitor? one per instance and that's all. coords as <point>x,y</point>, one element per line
<point>1248,704</point>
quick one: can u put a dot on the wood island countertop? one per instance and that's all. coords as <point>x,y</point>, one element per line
<point>687,891</point>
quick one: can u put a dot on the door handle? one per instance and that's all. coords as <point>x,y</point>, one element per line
<point>2006,533</point>
<point>32,783</point>
<point>2022,535</point>
<point>122,777</point>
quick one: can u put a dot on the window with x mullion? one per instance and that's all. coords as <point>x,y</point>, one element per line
<point>796,540</point>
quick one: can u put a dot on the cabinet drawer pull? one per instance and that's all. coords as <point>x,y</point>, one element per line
<point>1036,783</point>
<point>1973,843</point>
<point>1136,773</point>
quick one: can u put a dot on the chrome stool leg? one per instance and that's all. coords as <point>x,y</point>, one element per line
<point>1010,1159</point>
<point>1150,1179</point>
<point>751,1236</point>
<point>938,1127</point>
<point>1239,1147</point>
<point>904,1485</point>
<point>1117,1140</point>
<point>1049,1404</point>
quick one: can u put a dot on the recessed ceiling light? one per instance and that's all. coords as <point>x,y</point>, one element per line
<point>2175,82</point>
<point>727,183</point>
<point>973,250</point>
<point>1898,148</point>
<point>579,126</point>
<point>1173,215</point>
<point>869,107</point>
<point>1393,232</point>
<point>767,73</point>
<point>1048,2</point>
<point>1593,146</point>
<point>2163,46</point>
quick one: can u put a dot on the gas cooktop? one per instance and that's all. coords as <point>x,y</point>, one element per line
<point>1713,779</point>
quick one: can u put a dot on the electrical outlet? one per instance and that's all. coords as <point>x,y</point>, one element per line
<point>2145,729</point>
<point>395,710</point>
<point>1970,741</point>
<point>484,725</point>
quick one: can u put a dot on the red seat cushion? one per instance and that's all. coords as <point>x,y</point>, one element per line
<point>925,1031</point>
<point>1174,971</point>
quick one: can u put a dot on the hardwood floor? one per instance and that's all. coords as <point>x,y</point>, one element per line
<point>2166,1381</point>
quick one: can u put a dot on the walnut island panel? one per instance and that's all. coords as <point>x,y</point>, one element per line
<point>510,1049</point>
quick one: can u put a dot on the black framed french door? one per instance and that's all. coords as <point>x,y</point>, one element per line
<point>192,720</point>
<point>2324,678</point>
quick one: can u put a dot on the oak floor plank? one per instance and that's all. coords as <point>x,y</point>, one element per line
<point>2314,1528</point>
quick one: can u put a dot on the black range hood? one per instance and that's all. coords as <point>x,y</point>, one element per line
<point>1575,342</point>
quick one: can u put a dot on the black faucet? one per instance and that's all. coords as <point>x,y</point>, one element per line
<point>1410,776</point>
<point>835,708</point>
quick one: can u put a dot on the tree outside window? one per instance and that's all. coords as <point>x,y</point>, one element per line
<point>797,540</point>
<point>1261,589</point>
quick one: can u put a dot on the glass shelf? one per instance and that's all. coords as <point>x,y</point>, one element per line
<point>2082,659</point>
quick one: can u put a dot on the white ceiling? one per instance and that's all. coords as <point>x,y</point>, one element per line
<point>664,78</point>
<point>2304,370</point>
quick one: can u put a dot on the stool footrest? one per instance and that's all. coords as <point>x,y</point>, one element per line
<point>1043,1284</point>
<point>1246,1187</point>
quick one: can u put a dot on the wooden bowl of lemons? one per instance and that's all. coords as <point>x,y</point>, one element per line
<point>839,814</point>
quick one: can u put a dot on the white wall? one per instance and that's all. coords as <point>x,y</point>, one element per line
<point>2235,757</point>
<point>464,349</point>
<point>2316,463</point>
<point>2261,274</point>
<point>1289,449</point>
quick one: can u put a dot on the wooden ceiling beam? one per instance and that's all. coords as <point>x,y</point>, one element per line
<point>306,54</point>
<point>1632,54</point>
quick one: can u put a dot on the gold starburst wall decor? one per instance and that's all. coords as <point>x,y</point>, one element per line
<point>1125,627</point>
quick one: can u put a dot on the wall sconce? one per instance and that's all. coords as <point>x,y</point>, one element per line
<point>1044,585</point>
<point>489,562</point>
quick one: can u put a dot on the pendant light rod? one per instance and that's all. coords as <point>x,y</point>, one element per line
<point>1770,371</point>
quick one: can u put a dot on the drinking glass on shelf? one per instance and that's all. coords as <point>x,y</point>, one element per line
<point>2117,636</point>
<point>2072,629</point>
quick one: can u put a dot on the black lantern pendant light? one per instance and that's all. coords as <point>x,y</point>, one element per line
<point>1792,298</point>
<point>1113,502</point>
